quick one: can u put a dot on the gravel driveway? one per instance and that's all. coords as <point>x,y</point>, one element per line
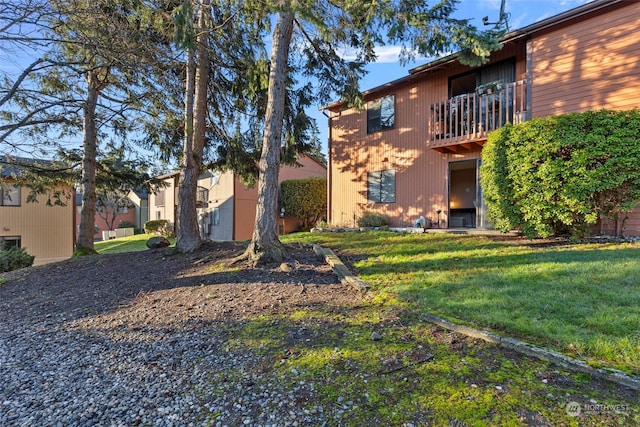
<point>147,339</point>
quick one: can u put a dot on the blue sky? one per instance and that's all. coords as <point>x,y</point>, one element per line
<point>522,13</point>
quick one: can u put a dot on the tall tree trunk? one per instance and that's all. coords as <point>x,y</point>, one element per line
<point>90,152</point>
<point>195,129</point>
<point>265,245</point>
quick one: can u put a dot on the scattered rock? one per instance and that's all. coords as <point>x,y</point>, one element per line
<point>376,336</point>
<point>158,242</point>
<point>285,268</point>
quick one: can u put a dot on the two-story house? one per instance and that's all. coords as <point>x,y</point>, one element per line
<point>226,206</point>
<point>46,232</point>
<point>416,148</point>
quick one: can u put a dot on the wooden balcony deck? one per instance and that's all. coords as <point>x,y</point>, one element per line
<point>463,122</point>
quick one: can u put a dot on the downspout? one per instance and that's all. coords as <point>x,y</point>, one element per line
<point>329,168</point>
<point>529,79</point>
<point>74,235</point>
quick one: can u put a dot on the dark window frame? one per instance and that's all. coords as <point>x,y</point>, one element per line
<point>17,239</point>
<point>381,114</point>
<point>478,74</point>
<point>381,186</point>
<point>3,191</point>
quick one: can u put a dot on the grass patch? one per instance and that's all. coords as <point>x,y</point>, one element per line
<point>583,300</point>
<point>416,374</point>
<point>133,243</point>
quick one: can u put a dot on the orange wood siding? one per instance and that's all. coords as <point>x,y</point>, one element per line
<point>591,65</point>
<point>46,232</point>
<point>421,172</point>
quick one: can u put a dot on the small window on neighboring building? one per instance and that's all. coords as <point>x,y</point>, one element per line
<point>381,186</point>
<point>9,195</point>
<point>10,242</point>
<point>215,216</point>
<point>158,215</point>
<point>202,197</point>
<point>381,114</point>
<point>160,196</point>
<point>215,178</point>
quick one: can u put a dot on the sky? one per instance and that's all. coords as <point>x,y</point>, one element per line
<point>522,13</point>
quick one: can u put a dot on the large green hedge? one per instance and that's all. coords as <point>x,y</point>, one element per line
<point>305,199</point>
<point>558,174</point>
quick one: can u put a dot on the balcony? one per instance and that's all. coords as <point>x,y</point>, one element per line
<point>463,122</point>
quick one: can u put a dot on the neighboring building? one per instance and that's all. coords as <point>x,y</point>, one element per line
<point>416,147</point>
<point>140,200</point>
<point>226,207</point>
<point>46,232</point>
<point>136,212</point>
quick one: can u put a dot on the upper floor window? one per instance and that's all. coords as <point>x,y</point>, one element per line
<point>202,197</point>
<point>381,114</point>
<point>503,72</point>
<point>9,195</point>
<point>160,196</point>
<point>381,186</point>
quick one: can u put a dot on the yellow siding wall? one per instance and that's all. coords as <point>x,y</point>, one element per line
<point>167,209</point>
<point>591,65</point>
<point>46,232</point>
<point>221,196</point>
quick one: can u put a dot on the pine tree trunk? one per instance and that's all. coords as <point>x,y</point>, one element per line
<point>90,152</point>
<point>265,245</point>
<point>195,129</point>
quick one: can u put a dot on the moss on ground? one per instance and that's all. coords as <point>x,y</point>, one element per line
<point>415,373</point>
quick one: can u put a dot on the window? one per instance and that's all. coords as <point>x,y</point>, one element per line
<point>504,72</point>
<point>160,196</point>
<point>381,186</point>
<point>215,216</point>
<point>381,114</point>
<point>215,178</point>
<point>10,242</point>
<point>202,197</point>
<point>9,195</point>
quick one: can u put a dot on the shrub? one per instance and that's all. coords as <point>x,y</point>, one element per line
<point>158,226</point>
<point>305,199</point>
<point>83,252</point>
<point>558,174</point>
<point>126,224</point>
<point>14,258</point>
<point>372,219</point>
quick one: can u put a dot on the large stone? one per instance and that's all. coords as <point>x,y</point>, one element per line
<point>158,242</point>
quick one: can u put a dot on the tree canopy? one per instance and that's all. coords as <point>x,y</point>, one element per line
<point>206,83</point>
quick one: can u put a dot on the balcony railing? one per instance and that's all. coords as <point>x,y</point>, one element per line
<point>470,117</point>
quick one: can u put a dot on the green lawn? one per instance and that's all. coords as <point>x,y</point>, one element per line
<point>133,243</point>
<point>582,300</point>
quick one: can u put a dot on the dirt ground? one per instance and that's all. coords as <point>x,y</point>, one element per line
<point>156,290</point>
<point>184,287</point>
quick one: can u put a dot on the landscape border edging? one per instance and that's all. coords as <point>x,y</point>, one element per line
<point>348,278</point>
<point>554,357</point>
<point>340,269</point>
